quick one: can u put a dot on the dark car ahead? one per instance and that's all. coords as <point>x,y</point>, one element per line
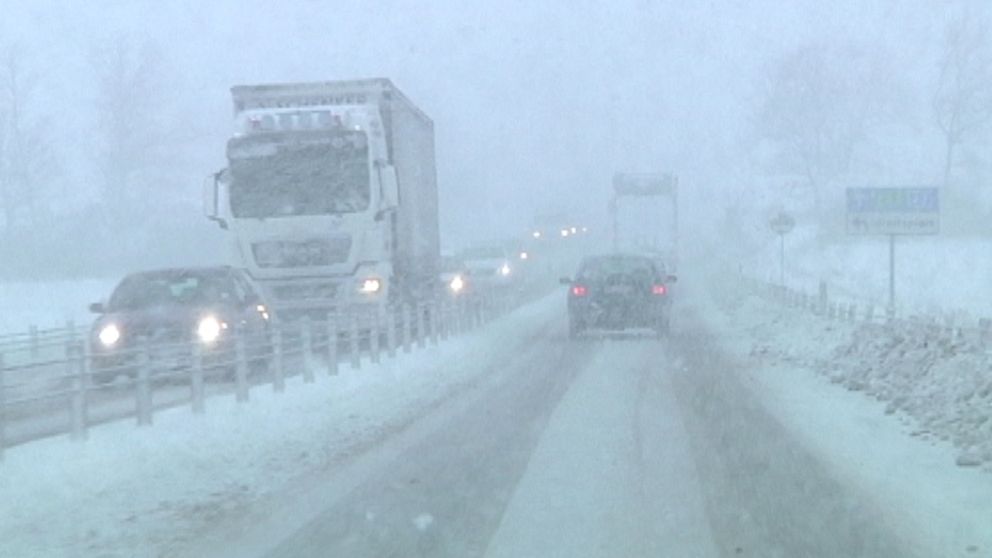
<point>170,312</point>
<point>617,292</point>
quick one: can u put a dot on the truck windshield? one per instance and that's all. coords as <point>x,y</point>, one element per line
<point>283,176</point>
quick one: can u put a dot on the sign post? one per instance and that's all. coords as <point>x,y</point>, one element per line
<point>782,224</point>
<point>893,212</point>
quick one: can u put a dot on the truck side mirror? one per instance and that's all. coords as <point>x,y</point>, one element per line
<point>565,280</point>
<point>98,308</point>
<point>211,197</point>
<point>672,279</point>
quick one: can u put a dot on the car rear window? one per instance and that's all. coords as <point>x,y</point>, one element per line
<point>600,268</point>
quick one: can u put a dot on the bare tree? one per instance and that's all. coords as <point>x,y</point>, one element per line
<point>963,101</point>
<point>130,96</point>
<point>818,106</point>
<point>27,159</point>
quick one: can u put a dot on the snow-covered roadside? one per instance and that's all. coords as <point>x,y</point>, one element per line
<point>945,509</point>
<point>149,492</point>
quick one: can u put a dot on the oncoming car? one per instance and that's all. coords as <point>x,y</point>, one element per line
<point>617,292</point>
<point>454,277</point>
<point>169,312</point>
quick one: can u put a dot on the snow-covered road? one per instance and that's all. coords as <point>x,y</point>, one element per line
<point>515,442</point>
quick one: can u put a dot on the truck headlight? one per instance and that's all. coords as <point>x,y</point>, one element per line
<point>371,285</point>
<point>504,270</point>
<point>208,330</point>
<point>109,335</point>
<point>457,284</point>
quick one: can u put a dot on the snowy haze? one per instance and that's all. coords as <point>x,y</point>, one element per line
<point>536,104</point>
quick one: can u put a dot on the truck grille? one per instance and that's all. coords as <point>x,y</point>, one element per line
<point>309,253</point>
<point>305,292</point>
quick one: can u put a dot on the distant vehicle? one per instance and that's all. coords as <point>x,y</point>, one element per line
<point>617,292</point>
<point>330,195</point>
<point>491,268</point>
<point>454,277</point>
<point>645,214</point>
<point>170,311</point>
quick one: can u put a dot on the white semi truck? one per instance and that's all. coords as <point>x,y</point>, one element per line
<point>330,195</point>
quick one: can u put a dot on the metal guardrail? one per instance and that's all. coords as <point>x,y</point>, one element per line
<point>949,326</point>
<point>52,383</point>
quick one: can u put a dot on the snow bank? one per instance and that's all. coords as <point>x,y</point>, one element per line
<point>946,510</point>
<point>937,376</point>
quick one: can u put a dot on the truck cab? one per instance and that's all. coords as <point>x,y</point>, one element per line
<point>311,196</point>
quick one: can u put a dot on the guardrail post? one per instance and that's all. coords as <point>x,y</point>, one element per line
<point>196,380</point>
<point>391,331</point>
<point>143,389</point>
<point>241,391</point>
<point>443,316</point>
<point>421,310</point>
<point>822,304</point>
<point>33,340</point>
<point>375,329</point>
<point>279,360</point>
<point>432,326</point>
<point>465,315</point>
<point>76,353</point>
<point>332,345</point>
<point>306,340</point>
<point>3,408</point>
<point>354,343</point>
<point>407,326</point>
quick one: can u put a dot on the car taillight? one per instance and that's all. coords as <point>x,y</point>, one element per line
<point>658,290</point>
<point>579,290</point>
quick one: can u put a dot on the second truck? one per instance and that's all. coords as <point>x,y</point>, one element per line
<point>330,195</point>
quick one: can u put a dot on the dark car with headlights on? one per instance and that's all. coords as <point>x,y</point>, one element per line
<point>454,277</point>
<point>618,292</point>
<point>169,313</point>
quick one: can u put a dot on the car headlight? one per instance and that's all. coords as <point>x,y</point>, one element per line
<point>109,335</point>
<point>504,270</point>
<point>209,328</point>
<point>457,284</point>
<point>371,285</point>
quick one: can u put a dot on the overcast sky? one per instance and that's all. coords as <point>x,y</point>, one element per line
<point>536,104</point>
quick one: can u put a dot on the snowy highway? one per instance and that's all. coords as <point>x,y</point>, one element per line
<point>618,446</point>
<point>515,441</point>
